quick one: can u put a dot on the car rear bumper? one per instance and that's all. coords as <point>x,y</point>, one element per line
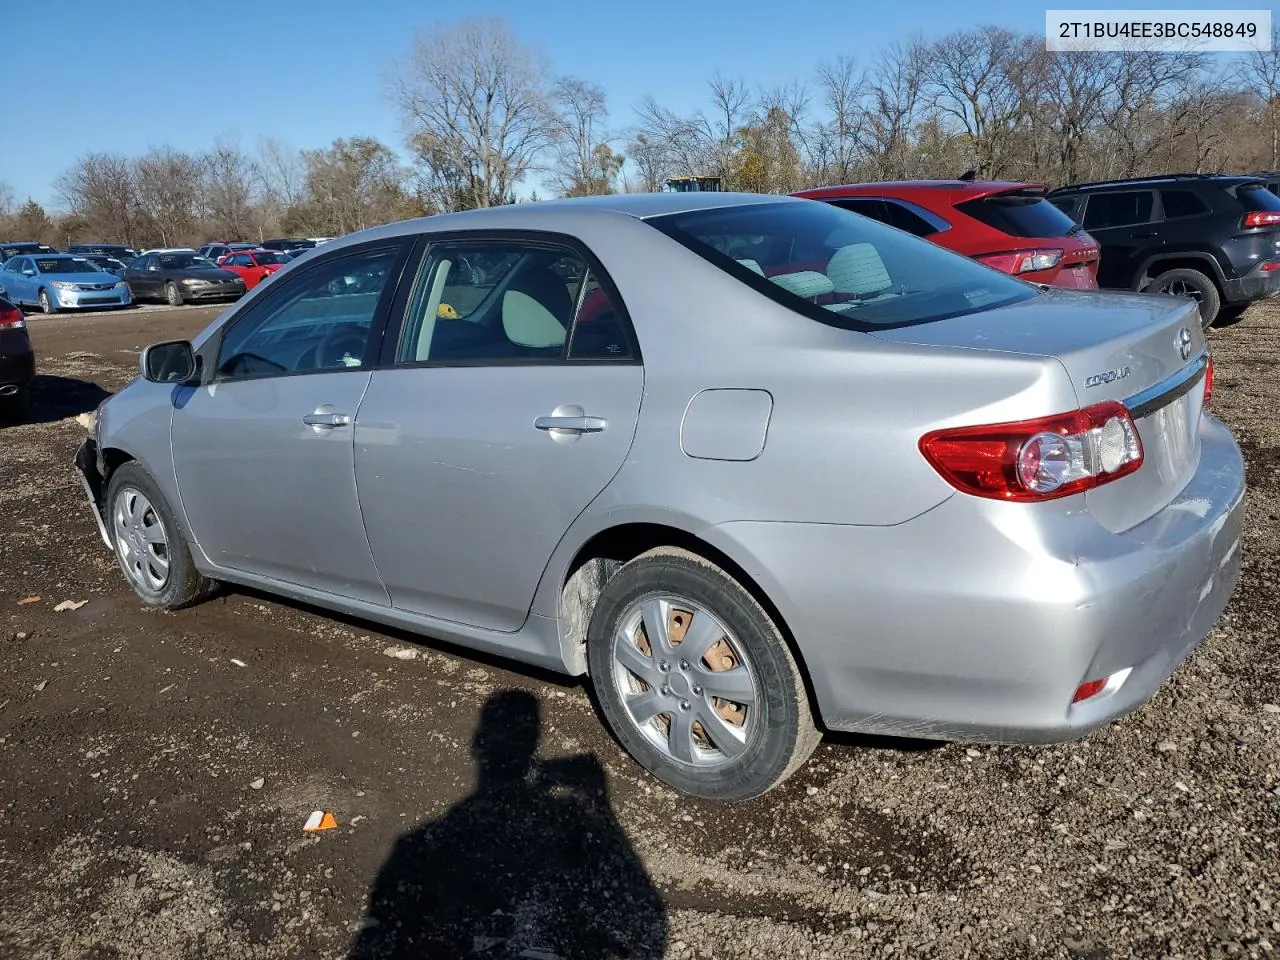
<point>1257,284</point>
<point>17,363</point>
<point>978,620</point>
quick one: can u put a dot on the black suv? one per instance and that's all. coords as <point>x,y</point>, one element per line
<point>18,248</point>
<point>1211,237</point>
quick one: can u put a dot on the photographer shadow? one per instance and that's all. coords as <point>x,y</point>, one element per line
<point>532,864</point>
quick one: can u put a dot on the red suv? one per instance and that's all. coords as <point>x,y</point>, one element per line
<point>1009,226</point>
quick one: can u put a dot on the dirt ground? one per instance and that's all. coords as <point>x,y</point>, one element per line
<point>156,771</point>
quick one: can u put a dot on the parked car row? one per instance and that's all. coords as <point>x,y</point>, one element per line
<point>821,473</point>
<point>1213,238</point>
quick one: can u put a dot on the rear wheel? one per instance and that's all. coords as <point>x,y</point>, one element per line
<point>695,679</point>
<point>172,294</point>
<point>46,304</point>
<point>149,545</point>
<point>1184,282</point>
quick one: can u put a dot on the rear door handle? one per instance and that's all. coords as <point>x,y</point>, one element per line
<point>327,420</point>
<point>579,424</point>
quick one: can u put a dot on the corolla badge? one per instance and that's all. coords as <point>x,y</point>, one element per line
<point>1183,340</point>
<point>1107,376</point>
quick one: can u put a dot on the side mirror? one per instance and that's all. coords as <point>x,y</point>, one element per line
<point>173,361</point>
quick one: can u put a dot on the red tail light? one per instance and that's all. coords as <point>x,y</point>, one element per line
<point>1089,688</point>
<point>1208,381</point>
<point>1261,218</point>
<point>1022,261</point>
<point>11,318</point>
<point>1042,459</point>
<point>1269,266</point>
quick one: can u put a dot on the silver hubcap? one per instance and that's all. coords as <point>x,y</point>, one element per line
<point>685,681</point>
<point>141,540</point>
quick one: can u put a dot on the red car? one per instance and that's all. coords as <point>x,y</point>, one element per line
<point>253,266</point>
<point>1009,226</point>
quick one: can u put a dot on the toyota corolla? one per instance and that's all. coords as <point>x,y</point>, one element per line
<point>757,466</point>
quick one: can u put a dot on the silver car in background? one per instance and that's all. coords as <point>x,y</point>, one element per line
<point>757,465</point>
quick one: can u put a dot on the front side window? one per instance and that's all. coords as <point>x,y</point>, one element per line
<point>479,302</point>
<point>318,321</point>
<point>241,260</point>
<point>15,265</point>
<point>1121,209</point>
<point>843,270</point>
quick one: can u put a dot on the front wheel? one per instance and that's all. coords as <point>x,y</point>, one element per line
<point>173,295</point>
<point>16,408</point>
<point>149,546</point>
<point>1184,282</point>
<point>695,679</point>
<point>46,304</point>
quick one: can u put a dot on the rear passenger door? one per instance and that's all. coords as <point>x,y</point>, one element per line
<point>1124,222</point>
<point>506,402</point>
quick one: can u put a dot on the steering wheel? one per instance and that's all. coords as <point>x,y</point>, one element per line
<point>339,343</point>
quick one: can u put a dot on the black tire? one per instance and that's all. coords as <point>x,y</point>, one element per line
<point>46,303</point>
<point>782,736</point>
<point>1194,283</point>
<point>172,295</point>
<point>184,585</point>
<point>17,407</point>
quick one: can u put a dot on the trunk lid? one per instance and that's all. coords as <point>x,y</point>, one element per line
<point>1142,350</point>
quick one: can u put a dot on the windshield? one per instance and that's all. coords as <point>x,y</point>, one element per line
<point>841,268</point>
<point>66,265</point>
<point>185,261</point>
<point>270,256</point>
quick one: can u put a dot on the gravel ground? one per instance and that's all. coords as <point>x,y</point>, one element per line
<point>156,771</point>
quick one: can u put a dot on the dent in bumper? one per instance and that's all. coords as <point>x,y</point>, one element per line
<point>1255,285</point>
<point>979,620</point>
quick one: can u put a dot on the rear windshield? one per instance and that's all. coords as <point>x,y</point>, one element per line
<point>1255,196</point>
<point>1020,215</point>
<point>841,268</point>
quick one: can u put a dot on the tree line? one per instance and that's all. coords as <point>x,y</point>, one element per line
<point>484,113</point>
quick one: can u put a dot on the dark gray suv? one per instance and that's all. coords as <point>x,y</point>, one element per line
<point>1210,237</point>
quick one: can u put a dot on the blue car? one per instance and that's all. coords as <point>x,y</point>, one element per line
<point>62,281</point>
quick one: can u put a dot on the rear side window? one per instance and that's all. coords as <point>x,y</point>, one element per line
<point>1019,215</point>
<point>1257,197</point>
<point>895,214</point>
<point>842,270</point>
<point>1118,209</point>
<point>1182,203</point>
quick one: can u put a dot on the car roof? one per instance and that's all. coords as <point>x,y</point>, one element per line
<point>959,189</point>
<point>1167,178</point>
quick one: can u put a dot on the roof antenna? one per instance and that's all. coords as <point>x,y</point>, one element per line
<point>968,176</point>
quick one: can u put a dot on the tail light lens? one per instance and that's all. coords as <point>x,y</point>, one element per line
<point>1208,381</point>
<point>11,318</point>
<point>1040,459</point>
<point>1261,218</point>
<point>1022,261</point>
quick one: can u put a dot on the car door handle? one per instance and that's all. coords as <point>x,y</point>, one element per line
<point>327,420</point>
<point>581,424</point>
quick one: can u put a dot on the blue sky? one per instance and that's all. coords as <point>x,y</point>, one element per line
<point>183,72</point>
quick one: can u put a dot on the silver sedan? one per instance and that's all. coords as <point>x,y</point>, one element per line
<point>756,465</point>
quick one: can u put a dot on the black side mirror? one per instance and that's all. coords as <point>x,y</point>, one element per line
<point>173,361</point>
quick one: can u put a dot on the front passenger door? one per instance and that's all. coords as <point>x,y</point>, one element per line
<point>263,449</point>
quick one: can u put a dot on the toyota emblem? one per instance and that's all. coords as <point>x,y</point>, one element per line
<point>1183,341</point>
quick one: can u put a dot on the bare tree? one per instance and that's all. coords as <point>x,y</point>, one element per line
<point>279,172</point>
<point>101,191</point>
<point>895,87</point>
<point>972,75</point>
<point>228,195</point>
<point>1263,72</point>
<point>168,186</point>
<point>6,199</point>
<point>835,146</point>
<point>585,163</point>
<point>353,184</point>
<point>651,160</point>
<point>472,100</point>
